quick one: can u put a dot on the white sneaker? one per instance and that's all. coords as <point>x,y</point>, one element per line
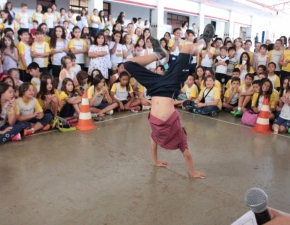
<point>144,107</point>
<point>94,115</point>
<point>111,112</point>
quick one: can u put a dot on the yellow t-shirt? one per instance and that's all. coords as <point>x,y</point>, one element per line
<point>40,48</point>
<point>228,93</point>
<point>191,92</point>
<point>251,54</point>
<point>62,97</point>
<point>13,25</point>
<point>24,50</point>
<point>229,83</point>
<point>216,84</point>
<point>214,94</point>
<point>41,102</point>
<point>27,108</point>
<point>276,95</point>
<point>39,17</point>
<point>47,39</point>
<point>261,99</point>
<point>286,56</point>
<point>275,80</point>
<point>78,44</point>
<point>121,93</point>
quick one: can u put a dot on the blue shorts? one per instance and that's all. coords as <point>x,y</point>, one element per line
<point>102,105</point>
<point>282,122</point>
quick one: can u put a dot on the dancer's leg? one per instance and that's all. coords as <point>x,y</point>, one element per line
<point>155,156</point>
<point>190,165</point>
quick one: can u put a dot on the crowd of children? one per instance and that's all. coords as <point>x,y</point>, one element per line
<point>46,71</point>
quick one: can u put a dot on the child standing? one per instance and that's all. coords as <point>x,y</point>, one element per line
<point>285,62</point>
<point>140,48</point>
<point>248,45</point>
<point>33,69</point>
<point>78,47</point>
<point>75,67</point>
<point>239,50</point>
<point>231,96</point>
<point>70,100</point>
<point>8,21</point>
<point>273,77</point>
<point>151,66</point>
<point>174,45</point>
<point>33,30</point>
<point>40,51</point>
<point>262,57</point>
<point>120,92</point>
<point>96,93</point>
<point>22,17</point>
<point>38,16</point>
<point>47,97</point>
<point>116,50</point>
<point>164,61</point>
<point>9,54</point>
<point>207,57</point>
<point>245,65</point>
<point>66,72</point>
<point>29,112</point>
<point>98,54</point>
<point>221,63</point>
<point>275,55</point>
<point>95,22</point>
<point>236,73</point>
<point>59,49</point>
<point>24,55</point>
<point>8,129</point>
<point>71,20</point>
<point>49,19</point>
<point>266,89</point>
<point>128,47</point>
<point>45,29</point>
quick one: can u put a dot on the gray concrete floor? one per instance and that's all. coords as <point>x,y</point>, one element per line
<point>106,176</point>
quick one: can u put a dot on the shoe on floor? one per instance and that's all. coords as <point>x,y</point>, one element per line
<point>17,137</point>
<point>208,33</point>
<point>135,109</point>
<point>111,112</point>
<point>47,127</point>
<point>238,113</point>
<point>234,112</point>
<point>189,108</point>
<point>99,118</point>
<point>94,115</point>
<point>214,114</point>
<point>161,53</point>
<point>27,132</point>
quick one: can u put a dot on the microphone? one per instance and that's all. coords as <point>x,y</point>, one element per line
<point>257,200</point>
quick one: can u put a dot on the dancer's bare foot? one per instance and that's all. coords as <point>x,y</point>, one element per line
<point>161,163</point>
<point>197,174</point>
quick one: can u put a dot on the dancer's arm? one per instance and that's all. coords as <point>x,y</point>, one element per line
<point>155,156</point>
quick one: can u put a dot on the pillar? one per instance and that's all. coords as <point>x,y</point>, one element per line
<point>200,21</point>
<point>2,4</point>
<point>231,25</point>
<point>94,4</point>
<point>157,20</point>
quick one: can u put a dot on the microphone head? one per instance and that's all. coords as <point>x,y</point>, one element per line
<point>257,200</point>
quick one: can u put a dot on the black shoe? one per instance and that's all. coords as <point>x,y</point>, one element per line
<point>214,113</point>
<point>208,33</point>
<point>157,48</point>
<point>189,108</point>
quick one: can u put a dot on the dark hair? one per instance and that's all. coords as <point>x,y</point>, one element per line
<point>263,67</point>
<point>6,78</point>
<point>256,82</point>
<point>12,46</point>
<point>117,32</point>
<point>73,30</point>
<point>176,29</point>
<point>40,25</point>
<point>219,39</point>
<point>114,27</point>
<point>224,48</point>
<point>279,40</point>
<point>70,10</point>
<point>39,31</point>
<point>199,67</point>
<point>9,19</point>
<point>54,37</point>
<point>86,35</point>
<point>134,19</point>
<point>64,83</point>
<point>168,34</point>
<point>183,23</point>
<point>264,46</point>
<point>91,77</point>
<point>210,70</point>
<point>249,75</point>
<point>188,31</point>
<point>226,40</point>
<point>125,37</point>
<point>236,79</point>
<point>284,39</point>
<point>209,76</point>
<point>282,88</point>
<point>98,35</point>
<point>124,74</point>
<point>264,73</point>
<point>81,75</point>
<point>231,49</point>
<point>61,9</point>
<point>120,18</point>
<point>33,66</point>
<point>146,29</point>
<point>272,63</point>
<point>23,88</point>
<point>161,67</point>
<point>35,21</point>
<point>137,43</point>
<point>270,47</point>
<point>6,5</point>
<point>248,63</point>
<point>6,30</point>
<point>71,55</point>
<point>23,5</point>
<point>97,79</point>
<point>236,70</point>
<point>268,93</point>
<point>43,84</point>
<point>83,10</point>
<point>102,18</point>
<point>78,18</point>
<point>139,29</point>
<point>248,41</point>
<point>3,88</point>
<point>166,45</point>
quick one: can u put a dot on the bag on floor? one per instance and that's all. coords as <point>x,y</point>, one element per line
<point>65,124</point>
<point>250,118</point>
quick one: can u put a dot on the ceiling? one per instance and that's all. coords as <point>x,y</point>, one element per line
<point>276,5</point>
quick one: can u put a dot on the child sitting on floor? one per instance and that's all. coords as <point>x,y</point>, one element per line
<point>273,77</point>
<point>96,94</point>
<point>231,96</point>
<point>246,93</point>
<point>189,90</point>
<point>29,113</point>
<point>236,73</point>
<point>120,91</point>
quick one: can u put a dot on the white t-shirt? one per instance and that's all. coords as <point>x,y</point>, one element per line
<point>56,58</point>
<point>116,57</point>
<point>125,48</point>
<point>23,17</point>
<point>221,68</point>
<point>49,19</point>
<point>239,53</point>
<point>95,18</point>
<point>99,98</point>
<point>285,112</point>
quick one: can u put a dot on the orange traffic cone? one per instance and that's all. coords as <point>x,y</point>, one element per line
<point>85,118</point>
<point>262,124</point>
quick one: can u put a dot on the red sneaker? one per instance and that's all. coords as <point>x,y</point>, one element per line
<point>28,132</point>
<point>47,127</point>
<point>17,137</point>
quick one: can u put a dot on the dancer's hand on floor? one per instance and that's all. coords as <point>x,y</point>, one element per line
<point>161,163</point>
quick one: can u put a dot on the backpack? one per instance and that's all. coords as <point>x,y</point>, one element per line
<point>65,124</point>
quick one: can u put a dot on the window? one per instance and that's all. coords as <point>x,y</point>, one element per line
<point>77,5</point>
<point>176,20</point>
<point>107,9</point>
<point>45,4</point>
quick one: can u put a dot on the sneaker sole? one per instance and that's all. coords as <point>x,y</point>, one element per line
<point>208,32</point>
<point>157,47</point>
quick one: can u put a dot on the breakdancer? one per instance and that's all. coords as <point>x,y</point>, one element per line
<point>167,131</point>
